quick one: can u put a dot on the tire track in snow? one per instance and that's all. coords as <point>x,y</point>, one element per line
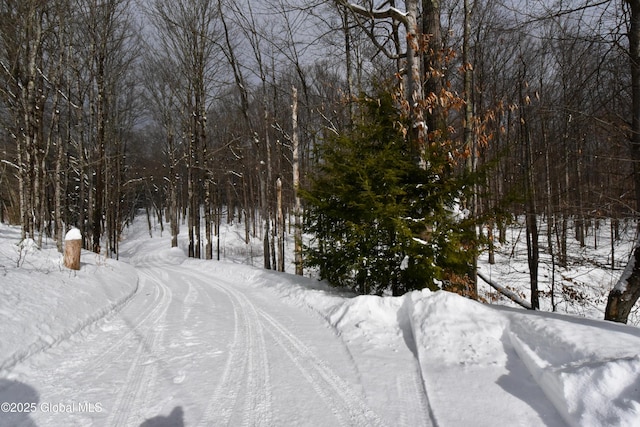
<point>224,397</point>
<point>347,406</point>
<point>246,370</point>
<point>107,347</point>
<point>257,403</point>
<point>189,301</point>
<point>252,375</point>
<point>251,322</point>
<point>141,375</point>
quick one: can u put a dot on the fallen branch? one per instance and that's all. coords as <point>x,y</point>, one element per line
<point>507,293</point>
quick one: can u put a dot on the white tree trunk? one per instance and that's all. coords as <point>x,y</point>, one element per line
<point>296,183</point>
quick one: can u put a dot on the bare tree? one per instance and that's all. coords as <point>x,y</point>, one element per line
<point>161,88</point>
<point>187,32</point>
<point>109,55</point>
<point>412,50</point>
<point>626,292</point>
<point>23,38</point>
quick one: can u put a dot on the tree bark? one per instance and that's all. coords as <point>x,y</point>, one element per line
<point>626,291</point>
<point>470,142</point>
<point>296,183</point>
<point>280,225</point>
<point>531,220</point>
<point>432,59</point>
<point>513,296</point>
<point>208,252</point>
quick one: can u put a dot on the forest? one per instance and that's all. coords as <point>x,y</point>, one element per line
<point>402,136</point>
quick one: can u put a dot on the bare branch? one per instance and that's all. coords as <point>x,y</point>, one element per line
<point>386,13</point>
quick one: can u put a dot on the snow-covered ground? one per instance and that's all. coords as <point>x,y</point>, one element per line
<point>582,287</point>
<point>158,339</point>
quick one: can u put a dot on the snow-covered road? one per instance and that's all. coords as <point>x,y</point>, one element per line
<point>194,349</point>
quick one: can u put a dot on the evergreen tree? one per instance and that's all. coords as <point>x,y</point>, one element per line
<point>383,224</point>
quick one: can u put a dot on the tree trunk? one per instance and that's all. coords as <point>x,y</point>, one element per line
<point>72,250</point>
<point>173,196</point>
<point>348,66</point>
<point>296,183</point>
<point>580,226</point>
<point>246,208</point>
<point>280,225</point>
<point>533,250</point>
<point>550,215</point>
<point>218,208</point>
<point>470,143</point>
<point>208,252</point>
<point>490,238</point>
<point>100,136</point>
<point>626,292</point>
<point>58,196</point>
<point>190,215</point>
<point>415,92</point>
<point>27,123</point>
<point>432,59</point>
<point>266,221</point>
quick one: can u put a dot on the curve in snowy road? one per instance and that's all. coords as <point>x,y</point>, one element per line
<point>202,348</point>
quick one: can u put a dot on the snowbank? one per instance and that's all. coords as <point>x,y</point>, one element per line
<point>590,370</point>
<point>42,303</point>
<point>489,357</point>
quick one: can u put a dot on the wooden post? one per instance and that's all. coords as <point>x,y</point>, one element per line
<point>72,248</point>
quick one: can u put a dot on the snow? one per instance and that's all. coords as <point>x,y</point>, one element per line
<point>42,304</point>
<point>73,234</point>
<point>582,287</point>
<point>160,339</point>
